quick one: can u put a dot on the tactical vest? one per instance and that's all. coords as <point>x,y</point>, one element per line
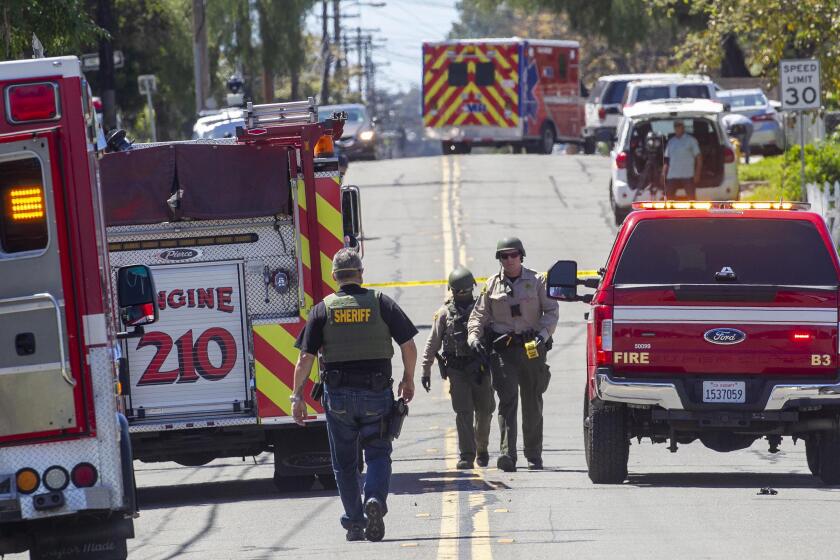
<point>355,329</point>
<point>455,335</point>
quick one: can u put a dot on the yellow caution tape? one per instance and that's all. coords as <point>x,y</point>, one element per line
<point>416,283</point>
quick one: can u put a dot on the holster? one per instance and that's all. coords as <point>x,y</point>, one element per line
<point>395,420</point>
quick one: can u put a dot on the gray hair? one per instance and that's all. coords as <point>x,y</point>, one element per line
<point>346,264</point>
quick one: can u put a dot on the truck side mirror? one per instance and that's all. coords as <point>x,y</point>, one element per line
<point>562,281</point>
<point>351,213</point>
<point>136,296</point>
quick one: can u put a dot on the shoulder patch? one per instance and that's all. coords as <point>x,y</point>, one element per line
<point>484,289</point>
<point>435,318</point>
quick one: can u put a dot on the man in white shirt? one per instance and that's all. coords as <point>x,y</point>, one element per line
<point>683,163</point>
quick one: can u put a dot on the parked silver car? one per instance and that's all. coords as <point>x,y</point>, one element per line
<point>768,135</point>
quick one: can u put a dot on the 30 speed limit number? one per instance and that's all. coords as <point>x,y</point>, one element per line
<point>799,84</point>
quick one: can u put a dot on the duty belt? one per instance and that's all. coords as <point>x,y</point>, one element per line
<point>373,381</point>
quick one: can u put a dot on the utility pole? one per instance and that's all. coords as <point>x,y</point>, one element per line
<point>359,55</point>
<point>201,63</point>
<point>370,71</point>
<point>107,81</point>
<point>337,42</point>
<point>325,53</point>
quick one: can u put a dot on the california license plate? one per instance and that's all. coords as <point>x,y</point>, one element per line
<point>724,391</point>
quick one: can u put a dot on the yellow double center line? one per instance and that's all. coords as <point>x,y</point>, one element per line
<point>418,283</point>
<point>450,519</point>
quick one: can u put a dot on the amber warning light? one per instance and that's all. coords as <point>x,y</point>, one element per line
<point>26,203</point>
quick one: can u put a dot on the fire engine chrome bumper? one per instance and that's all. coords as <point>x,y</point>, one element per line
<point>667,396</point>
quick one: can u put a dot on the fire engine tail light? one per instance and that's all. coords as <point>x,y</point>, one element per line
<point>27,480</point>
<point>324,147</point>
<point>84,475</point>
<point>32,103</point>
<point>56,478</point>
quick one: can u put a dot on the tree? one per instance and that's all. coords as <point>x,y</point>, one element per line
<point>767,31</point>
<point>62,27</point>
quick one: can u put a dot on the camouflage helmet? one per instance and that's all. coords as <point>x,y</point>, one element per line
<point>510,244</point>
<point>461,279</point>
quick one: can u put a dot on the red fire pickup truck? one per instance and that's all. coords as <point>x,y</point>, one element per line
<point>712,321</point>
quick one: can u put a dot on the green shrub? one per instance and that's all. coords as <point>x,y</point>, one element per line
<point>782,173</point>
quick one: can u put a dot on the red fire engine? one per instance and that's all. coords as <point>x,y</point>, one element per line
<point>494,92</point>
<point>66,478</point>
<point>240,234</point>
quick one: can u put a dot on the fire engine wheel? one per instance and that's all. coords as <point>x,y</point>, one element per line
<point>194,459</point>
<point>327,480</point>
<point>812,454</point>
<point>606,444</point>
<point>295,483</point>
<point>828,457</point>
<point>547,139</point>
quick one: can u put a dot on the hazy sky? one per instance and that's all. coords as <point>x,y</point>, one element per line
<point>405,24</point>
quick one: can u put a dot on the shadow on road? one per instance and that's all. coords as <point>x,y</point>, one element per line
<point>430,482</point>
<point>724,480</point>
<point>219,492</point>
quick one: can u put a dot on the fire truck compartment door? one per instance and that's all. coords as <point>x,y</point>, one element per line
<point>37,391</point>
<point>193,360</point>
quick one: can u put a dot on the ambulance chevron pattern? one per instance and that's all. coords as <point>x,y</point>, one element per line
<point>450,99</point>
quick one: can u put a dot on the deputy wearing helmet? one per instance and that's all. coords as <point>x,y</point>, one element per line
<point>514,317</point>
<point>469,383</point>
<point>352,330</point>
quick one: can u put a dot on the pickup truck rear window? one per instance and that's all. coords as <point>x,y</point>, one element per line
<point>757,251</point>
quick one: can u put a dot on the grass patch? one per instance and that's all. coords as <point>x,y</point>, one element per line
<point>768,169</point>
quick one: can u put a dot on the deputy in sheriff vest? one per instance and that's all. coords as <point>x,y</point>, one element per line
<point>514,317</point>
<point>469,384</point>
<point>352,329</point>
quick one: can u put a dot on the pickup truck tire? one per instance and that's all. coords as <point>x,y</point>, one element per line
<point>606,443</point>
<point>618,213</point>
<point>327,480</point>
<point>828,457</point>
<point>589,145</point>
<point>812,454</point>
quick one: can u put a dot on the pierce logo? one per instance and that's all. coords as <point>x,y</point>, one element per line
<point>180,254</point>
<point>725,336</point>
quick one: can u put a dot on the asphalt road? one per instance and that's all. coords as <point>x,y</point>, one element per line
<point>421,217</point>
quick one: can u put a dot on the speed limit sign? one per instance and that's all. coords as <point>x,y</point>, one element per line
<point>799,84</point>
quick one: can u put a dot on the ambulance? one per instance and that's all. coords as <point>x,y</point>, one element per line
<point>496,92</point>
<point>240,233</point>
<point>66,479</point>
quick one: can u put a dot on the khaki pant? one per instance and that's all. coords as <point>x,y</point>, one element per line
<point>473,404</point>
<point>530,379</point>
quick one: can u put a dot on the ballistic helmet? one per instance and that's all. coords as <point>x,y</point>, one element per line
<point>461,279</point>
<point>510,244</point>
<point>346,260</point>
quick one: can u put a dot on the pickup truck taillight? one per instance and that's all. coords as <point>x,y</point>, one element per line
<point>763,117</point>
<point>728,155</point>
<point>602,317</point>
<point>602,114</point>
<point>621,160</point>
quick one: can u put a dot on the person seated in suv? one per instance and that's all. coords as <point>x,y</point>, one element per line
<point>683,163</point>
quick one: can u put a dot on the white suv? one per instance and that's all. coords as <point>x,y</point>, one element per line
<point>603,107</point>
<point>634,160</point>
<point>676,86</point>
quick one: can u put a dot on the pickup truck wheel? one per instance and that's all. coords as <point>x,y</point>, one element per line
<point>812,454</point>
<point>607,446</point>
<point>828,457</point>
<point>589,145</point>
<point>618,213</point>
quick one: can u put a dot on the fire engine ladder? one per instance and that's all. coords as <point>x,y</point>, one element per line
<point>293,112</point>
